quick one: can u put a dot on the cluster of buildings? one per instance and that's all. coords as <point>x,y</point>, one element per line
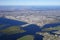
<point>33,19</point>
<point>48,36</point>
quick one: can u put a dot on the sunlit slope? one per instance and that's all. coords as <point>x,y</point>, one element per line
<point>28,37</point>
<point>51,28</point>
<point>12,30</point>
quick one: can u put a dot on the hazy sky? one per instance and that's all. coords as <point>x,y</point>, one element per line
<point>30,2</point>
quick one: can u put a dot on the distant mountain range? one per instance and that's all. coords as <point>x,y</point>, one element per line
<point>30,7</point>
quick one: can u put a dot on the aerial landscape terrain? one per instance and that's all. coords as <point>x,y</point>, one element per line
<point>29,22</point>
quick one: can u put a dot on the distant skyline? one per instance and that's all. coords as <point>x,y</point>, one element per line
<point>31,2</point>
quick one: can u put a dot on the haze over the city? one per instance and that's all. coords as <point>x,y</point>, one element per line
<point>31,2</point>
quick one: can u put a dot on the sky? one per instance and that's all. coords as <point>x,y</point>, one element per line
<point>31,2</point>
